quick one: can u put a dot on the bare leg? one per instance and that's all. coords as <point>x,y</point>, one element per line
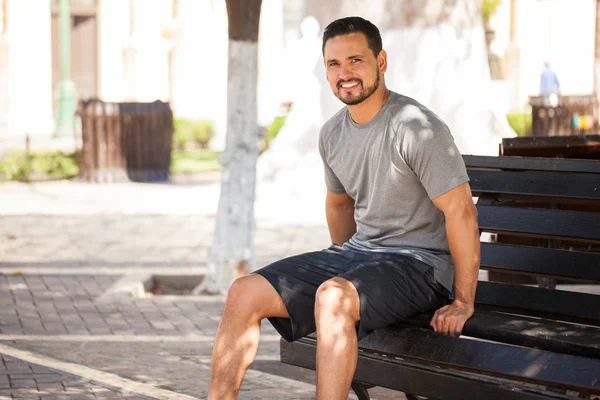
<point>337,311</point>
<point>250,299</point>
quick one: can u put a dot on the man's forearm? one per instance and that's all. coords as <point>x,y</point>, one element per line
<point>463,238</point>
<point>340,221</point>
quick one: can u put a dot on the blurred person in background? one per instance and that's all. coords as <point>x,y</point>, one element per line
<point>549,85</point>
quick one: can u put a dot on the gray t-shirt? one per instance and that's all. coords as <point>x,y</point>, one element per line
<point>393,166</point>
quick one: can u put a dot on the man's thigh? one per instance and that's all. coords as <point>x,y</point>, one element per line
<point>296,280</point>
<point>392,289</point>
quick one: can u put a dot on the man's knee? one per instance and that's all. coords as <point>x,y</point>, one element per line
<point>254,297</point>
<point>241,294</point>
<point>337,297</point>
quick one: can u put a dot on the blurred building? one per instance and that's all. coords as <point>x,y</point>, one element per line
<point>131,50</point>
<point>176,50</point>
<point>528,33</point>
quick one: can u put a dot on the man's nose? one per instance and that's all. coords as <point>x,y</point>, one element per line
<point>345,72</point>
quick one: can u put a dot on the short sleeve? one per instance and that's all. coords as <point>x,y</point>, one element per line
<point>331,180</point>
<point>431,153</point>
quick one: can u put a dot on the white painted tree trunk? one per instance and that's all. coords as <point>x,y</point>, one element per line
<point>232,251</point>
<point>436,54</point>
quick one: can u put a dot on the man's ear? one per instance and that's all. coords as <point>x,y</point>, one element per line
<point>382,61</point>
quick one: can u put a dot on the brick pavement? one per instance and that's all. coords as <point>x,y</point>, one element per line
<point>55,271</point>
<point>22,380</point>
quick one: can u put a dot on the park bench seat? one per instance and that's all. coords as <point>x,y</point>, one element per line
<point>524,341</point>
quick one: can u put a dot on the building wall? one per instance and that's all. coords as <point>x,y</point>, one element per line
<point>199,69</point>
<point>26,70</point>
<point>559,31</point>
<point>134,62</point>
<point>113,33</point>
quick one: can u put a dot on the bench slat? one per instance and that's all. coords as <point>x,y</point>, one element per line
<point>533,164</point>
<point>572,225</point>
<point>413,377</point>
<point>560,337</point>
<point>531,365</point>
<point>556,185</point>
<point>541,261</point>
<point>539,301</point>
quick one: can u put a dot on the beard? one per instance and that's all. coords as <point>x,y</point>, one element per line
<point>350,99</point>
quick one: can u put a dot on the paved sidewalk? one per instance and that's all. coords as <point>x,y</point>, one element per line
<point>59,310</point>
<point>22,380</point>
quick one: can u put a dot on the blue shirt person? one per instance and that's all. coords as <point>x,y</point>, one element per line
<point>548,81</point>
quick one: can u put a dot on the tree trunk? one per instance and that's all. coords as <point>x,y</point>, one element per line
<point>232,251</point>
<point>436,54</point>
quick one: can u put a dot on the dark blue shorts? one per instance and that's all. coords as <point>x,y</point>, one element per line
<point>391,287</point>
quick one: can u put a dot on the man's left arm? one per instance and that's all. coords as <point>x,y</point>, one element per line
<point>463,237</point>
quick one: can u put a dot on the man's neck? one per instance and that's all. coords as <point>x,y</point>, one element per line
<point>365,111</point>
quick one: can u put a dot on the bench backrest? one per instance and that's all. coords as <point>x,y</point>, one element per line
<point>551,210</point>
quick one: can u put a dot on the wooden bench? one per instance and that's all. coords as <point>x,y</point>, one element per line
<point>524,342</point>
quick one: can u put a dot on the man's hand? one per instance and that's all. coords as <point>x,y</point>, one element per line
<point>450,319</point>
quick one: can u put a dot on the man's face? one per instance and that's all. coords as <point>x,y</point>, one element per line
<point>352,69</point>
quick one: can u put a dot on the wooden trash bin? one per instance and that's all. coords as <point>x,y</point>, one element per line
<point>557,119</point>
<point>125,141</point>
<point>102,152</point>
<point>148,136</point>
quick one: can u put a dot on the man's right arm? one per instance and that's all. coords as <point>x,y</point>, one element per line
<point>339,210</point>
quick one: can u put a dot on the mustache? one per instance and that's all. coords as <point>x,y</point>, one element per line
<point>341,82</point>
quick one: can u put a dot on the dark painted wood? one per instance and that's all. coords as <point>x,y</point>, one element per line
<point>551,141</point>
<point>560,304</point>
<point>418,378</point>
<point>540,222</point>
<point>559,337</point>
<point>541,261</point>
<point>361,391</point>
<point>524,364</point>
<point>533,164</point>
<point>557,185</point>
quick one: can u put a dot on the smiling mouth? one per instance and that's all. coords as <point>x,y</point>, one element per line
<point>348,85</point>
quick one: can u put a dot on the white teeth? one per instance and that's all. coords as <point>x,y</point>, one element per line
<point>349,85</point>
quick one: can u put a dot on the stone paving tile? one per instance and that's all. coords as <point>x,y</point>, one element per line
<point>41,304</point>
<point>65,304</point>
<point>22,380</point>
<point>134,240</point>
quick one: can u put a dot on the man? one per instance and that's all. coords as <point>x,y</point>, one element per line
<point>398,203</point>
<point>549,86</point>
<point>548,81</point>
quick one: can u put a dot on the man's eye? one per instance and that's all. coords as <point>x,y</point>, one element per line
<point>332,64</point>
<point>355,60</point>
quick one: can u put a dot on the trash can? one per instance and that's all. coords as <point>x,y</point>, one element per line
<point>125,141</point>
<point>102,151</point>
<point>148,136</point>
<point>570,115</point>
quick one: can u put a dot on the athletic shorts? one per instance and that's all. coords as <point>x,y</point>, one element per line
<point>391,288</point>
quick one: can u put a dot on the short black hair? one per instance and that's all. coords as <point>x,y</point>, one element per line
<point>348,25</point>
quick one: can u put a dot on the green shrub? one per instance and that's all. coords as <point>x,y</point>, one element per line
<point>274,128</point>
<point>520,122</point>
<point>190,133</point>
<point>271,132</point>
<point>488,8</point>
<point>194,161</point>
<point>45,165</point>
